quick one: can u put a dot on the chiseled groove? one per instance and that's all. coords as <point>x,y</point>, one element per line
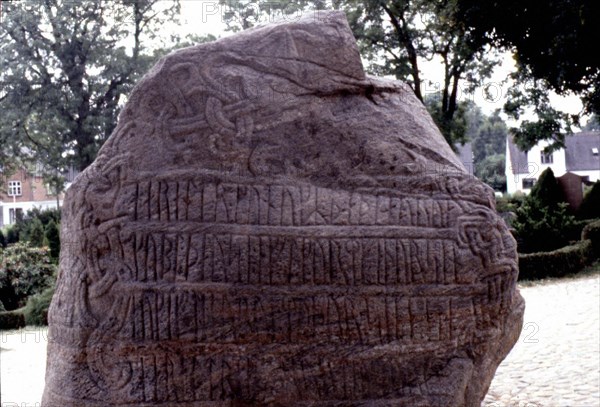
<point>314,231</point>
<point>237,289</point>
<point>128,351</point>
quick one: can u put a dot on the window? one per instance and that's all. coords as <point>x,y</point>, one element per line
<point>528,183</point>
<point>14,214</point>
<point>50,190</point>
<point>547,158</point>
<point>14,188</point>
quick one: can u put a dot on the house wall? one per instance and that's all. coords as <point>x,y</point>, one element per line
<point>535,167</point>
<point>514,183</point>
<point>5,219</point>
<point>593,175</point>
<point>34,194</point>
<point>33,188</point>
<point>534,159</point>
<point>508,171</point>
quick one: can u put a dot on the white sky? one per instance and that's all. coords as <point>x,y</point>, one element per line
<point>204,17</point>
<point>201,17</point>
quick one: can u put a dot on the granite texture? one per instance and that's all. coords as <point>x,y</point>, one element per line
<point>270,226</point>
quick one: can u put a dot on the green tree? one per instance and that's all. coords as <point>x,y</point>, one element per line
<point>491,171</point>
<point>2,240</point>
<point>12,235</point>
<point>52,236</point>
<point>555,46</point>
<point>31,226</point>
<point>475,119</point>
<point>396,37</point>
<point>65,69</point>
<point>455,130</point>
<point>547,191</point>
<point>543,222</point>
<point>549,124</point>
<point>490,137</point>
<point>36,233</point>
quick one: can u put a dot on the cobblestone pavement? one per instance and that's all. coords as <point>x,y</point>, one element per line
<point>22,366</point>
<point>555,363</point>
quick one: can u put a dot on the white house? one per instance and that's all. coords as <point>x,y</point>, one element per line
<point>581,157</point>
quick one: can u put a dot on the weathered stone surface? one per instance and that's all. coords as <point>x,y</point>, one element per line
<point>269,226</point>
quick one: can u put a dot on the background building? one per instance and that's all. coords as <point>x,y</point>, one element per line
<point>23,191</point>
<point>580,157</point>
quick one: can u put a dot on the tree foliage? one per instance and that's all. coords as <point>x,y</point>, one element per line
<point>455,130</point>
<point>52,238</point>
<point>12,235</point>
<point>65,68</point>
<point>556,41</point>
<point>489,137</point>
<point>487,134</point>
<point>31,226</point>
<point>396,37</point>
<point>549,123</point>
<point>24,271</point>
<point>36,233</point>
<point>491,171</point>
<point>547,190</point>
<point>555,46</point>
<point>543,222</point>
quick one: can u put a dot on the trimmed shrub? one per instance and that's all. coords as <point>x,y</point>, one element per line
<point>2,240</point>
<point>36,310</point>
<point>542,229</point>
<point>557,263</point>
<point>543,222</point>
<point>592,232</point>
<point>576,230</point>
<point>547,190</point>
<point>12,320</point>
<point>590,207</point>
<point>12,235</point>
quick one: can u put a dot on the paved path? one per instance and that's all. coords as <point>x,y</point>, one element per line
<point>555,363</point>
<point>22,366</point>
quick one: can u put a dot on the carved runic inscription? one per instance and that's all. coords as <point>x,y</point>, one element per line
<point>230,247</point>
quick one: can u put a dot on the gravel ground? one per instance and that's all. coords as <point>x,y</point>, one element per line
<point>555,363</point>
